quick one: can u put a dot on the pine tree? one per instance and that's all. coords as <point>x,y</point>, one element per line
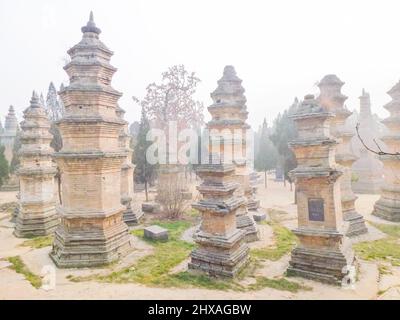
<point>4,168</point>
<point>266,156</point>
<point>144,171</point>
<point>53,104</point>
<point>55,110</point>
<point>285,131</point>
<point>15,160</point>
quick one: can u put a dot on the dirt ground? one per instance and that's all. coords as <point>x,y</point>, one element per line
<point>370,284</point>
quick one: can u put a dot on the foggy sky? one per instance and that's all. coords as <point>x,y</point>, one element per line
<point>279,48</point>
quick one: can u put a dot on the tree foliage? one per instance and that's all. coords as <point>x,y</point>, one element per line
<point>173,100</point>
<point>4,168</point>
<point>284,131</point>
<point>15,160</point>
<point>144,171</point>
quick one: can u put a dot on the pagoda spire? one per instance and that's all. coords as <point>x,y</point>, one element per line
<point>91,25</point>
<point>34,100</point>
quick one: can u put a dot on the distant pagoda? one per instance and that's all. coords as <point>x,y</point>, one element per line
<point>332,99</point>
<point>229,115</point>
<point>131,214</point>
<point>36,215</point>
<point>92,231</point>
<point>367,169</point>
<point>323,251</point>
<point>388,206</point>
<point>222,250</point>
<point>7,137</point>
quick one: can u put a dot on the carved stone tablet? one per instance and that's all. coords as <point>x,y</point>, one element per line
<point>316,209</point>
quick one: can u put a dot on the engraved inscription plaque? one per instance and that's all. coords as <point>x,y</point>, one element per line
<point>316,209</point>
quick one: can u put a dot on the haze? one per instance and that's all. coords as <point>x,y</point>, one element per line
<point>280,49</point>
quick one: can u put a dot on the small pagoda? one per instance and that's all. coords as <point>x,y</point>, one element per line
<point>222,249</point>
<point>332,99</point>
<point>92,231</point>
<point>36,213</point>
<point>132,213</point>
<point>227,130</point>
<point>323,251</point>
<point>388,206</point>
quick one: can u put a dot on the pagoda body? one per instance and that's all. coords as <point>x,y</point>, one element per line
<point>36,213</point>
<point>92,231</point>
<point>332,99</point>
<point>388,206</point>
<point>323,250</point>
<point>131,214</point>
<point>227,130</point>
<point>8,134</point>
<point>367,169</point>
<point>222,250</point>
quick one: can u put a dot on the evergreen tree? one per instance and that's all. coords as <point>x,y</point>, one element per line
<point>55,110</point>
<point>4,168</point>
<point>144,171</point>
<point>15,160</point>
<point>285,131</point>
<point>266,155</point>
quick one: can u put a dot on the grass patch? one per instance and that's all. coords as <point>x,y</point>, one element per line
<point>285,240</point>
<point>19,266</point>
<point>282,284</point>
<point>389,229</point>
<point>383,269</point>
<point>193,213</point>
<point>153,269</point>
<point>387,250</point>
<point>38,242</point>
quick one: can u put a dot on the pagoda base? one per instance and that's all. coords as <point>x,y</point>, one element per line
<point>91,246</point>
<point>356,224</point>
<point>253,204</point>
<point>131,214</point>
<point>387,209</point>
<point>132,217</point>
<point>219,256</point>
<point>30,225</point>
<point>246,223</point>
<point>324,261</point>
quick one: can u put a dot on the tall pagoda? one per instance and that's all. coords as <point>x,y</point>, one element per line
<point>131,214</point>
<point>222,250</point>
<point>227,130</point>
<point>367,169</point>
<point>332,99</point>
<point>323,251</point>
<point>36,215</point>
<point>92,231</point>
<point>388,206</point>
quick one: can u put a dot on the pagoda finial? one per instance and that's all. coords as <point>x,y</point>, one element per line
<point>35,100</point>
<point>91,25</point>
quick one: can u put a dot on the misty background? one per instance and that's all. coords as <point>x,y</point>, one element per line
<point>279,48</point>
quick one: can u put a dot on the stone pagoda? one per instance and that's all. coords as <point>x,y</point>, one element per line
<point>36,215</point>
<point>92,231</point>
<point>367,169</point>
<point>388,206</point>
<point>131,214</point>
<point>7,137</point>
<point>227,130</point>
<point>222,248</point>
<point>332,99</point>
<point>323,251</point>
